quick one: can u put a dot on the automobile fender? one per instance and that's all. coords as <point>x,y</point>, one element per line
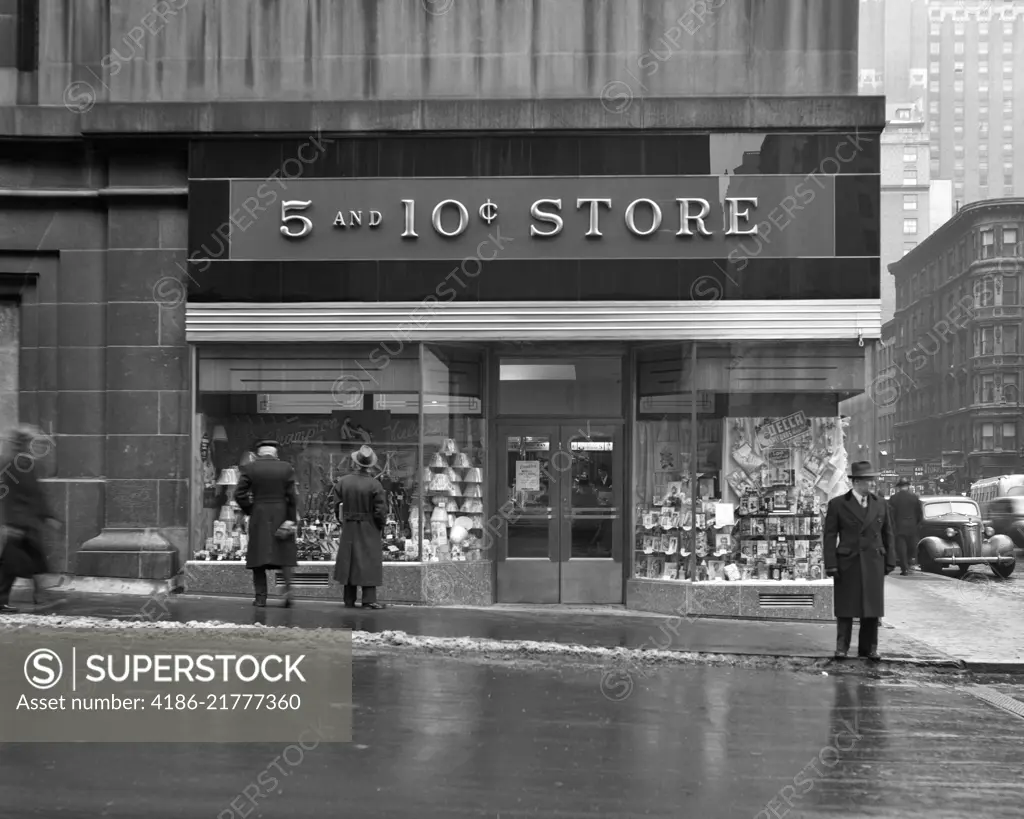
<point>997,546</point>
<point>938,547</point>
<point>1017,528</point>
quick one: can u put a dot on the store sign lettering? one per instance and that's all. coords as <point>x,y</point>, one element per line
<point>782,430</point>
<point>735,216</point>
<point>451,218</point>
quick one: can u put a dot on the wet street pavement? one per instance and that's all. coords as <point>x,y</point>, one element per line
<point>445,737</point>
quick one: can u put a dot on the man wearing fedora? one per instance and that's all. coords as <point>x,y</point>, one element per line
<point>859,553</point>
<point>907,514</point>
<point>363,511</point>
<point>266,492</point>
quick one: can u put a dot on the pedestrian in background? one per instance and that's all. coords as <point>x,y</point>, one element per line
<point>907,514</point>
<point>362,512</point>
<point>859,553</point>
<point>24,514</point>
<point>266,492</point>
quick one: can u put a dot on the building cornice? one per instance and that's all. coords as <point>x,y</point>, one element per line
<point>374,116</point>
<point>55,194</point>
<point>947,233</point>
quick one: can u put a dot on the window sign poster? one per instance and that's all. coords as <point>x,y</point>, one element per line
<point>812,465</point>
<point>780,467</point>
<point>528,476</point>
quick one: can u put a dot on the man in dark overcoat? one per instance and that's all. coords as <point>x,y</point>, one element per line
<point>859,552</point>
<point>266,492</point>
<point>907,514</point>
<point>363,511</point>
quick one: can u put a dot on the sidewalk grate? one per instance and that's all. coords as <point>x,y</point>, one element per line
<point>1000,701</point>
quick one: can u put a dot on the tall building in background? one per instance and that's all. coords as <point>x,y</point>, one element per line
<point>912,203</point>
<point>975,70</point>
<point>948,70</point>
<point>960,61</point>
<point>905,203</point>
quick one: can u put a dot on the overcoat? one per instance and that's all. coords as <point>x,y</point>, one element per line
<point>363,514</point>
<point>23,514</point>
<point>859,543</point>
<point>905,508</point>
<point>270,484</point>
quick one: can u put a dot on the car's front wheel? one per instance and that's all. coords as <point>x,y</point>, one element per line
<point>1004,570</point>
<point>926,561</point>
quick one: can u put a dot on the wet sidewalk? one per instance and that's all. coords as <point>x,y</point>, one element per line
<point>562,625</point>
<point>979,619</point>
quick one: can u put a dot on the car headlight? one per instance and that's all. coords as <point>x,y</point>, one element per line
<point>989,531</point>
<point>951,532</point>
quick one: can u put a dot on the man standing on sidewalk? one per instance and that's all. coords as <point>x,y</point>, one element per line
<point>266,492</point>
<point>858,545</point>
<point>906,512</point>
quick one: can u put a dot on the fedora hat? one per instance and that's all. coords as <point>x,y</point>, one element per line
<point>364,457</point>
<point>862,469</point>
<point>265,442</point>
<point>902,482</point>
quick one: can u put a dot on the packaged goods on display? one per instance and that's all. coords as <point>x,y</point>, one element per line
<point>759,509</point>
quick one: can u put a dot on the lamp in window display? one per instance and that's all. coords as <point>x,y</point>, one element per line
<point>455,528</point>
<point>229,540</point>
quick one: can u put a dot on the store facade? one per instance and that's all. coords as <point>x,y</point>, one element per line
<point>598,367</point>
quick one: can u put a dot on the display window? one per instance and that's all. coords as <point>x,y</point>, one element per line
<point>736,453</point>
<point>419,407</point>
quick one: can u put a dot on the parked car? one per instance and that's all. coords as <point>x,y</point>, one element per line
<point>953,538</point>
<point>1006,517</point>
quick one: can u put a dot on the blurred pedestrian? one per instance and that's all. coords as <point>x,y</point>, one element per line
<point>24,514</point>
<point>266,492</point>
<point>859,553</point>
<point>362,512</point>
<point>907,514</point>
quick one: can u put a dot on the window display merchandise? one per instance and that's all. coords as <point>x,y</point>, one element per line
<point>448,512</point>
<point>759,515</point>
<point>435,511</point>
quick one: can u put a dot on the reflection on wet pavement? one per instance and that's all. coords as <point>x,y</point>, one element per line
<point>449,738</point>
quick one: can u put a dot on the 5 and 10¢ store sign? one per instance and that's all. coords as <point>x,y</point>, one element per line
<point>531,218</point>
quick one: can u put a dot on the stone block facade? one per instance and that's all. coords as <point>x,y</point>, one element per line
<point>103,361</point>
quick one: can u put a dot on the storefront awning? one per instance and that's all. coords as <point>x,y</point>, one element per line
<point>765,320</point>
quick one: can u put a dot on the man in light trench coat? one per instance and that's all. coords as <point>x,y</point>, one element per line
<point>860,551</point>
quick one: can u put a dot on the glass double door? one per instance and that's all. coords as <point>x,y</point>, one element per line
<point>561,512</point>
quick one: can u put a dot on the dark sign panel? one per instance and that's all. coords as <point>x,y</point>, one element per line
<point>656,217</point>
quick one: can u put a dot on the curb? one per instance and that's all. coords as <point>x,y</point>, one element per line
<point>478,646</point>
<point>981,667</point>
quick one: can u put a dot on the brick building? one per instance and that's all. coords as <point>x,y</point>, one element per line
<point>958,360</point>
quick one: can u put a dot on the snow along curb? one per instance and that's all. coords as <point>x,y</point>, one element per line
<point>453,646</point>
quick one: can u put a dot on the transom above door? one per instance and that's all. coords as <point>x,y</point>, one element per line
<point>561,536</point>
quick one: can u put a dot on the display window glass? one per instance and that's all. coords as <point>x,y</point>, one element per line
<point>447,516</point>
<point>420,408</point>
<point>737,450</point>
